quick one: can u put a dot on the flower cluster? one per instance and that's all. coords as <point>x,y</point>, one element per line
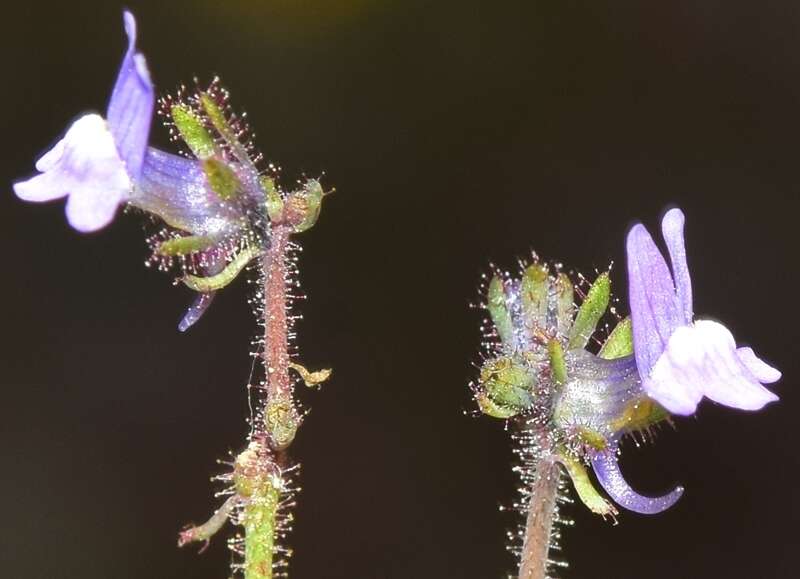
<point>216,207</point>
<point>574,405</point>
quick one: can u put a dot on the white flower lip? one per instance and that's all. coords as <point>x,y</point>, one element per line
<point>85,167</point>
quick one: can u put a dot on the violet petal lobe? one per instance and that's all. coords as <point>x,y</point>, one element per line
<point>609,475</point>
<point>702,360</point>
<point>655,312</point>
<point>672,230</point>
<point>85,166</point>
<point>130,109</point>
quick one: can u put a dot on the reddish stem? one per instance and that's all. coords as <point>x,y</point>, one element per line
<point>276,343</point>
<point>539,523</point>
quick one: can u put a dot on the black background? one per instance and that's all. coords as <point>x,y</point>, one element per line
<point>455,133</point>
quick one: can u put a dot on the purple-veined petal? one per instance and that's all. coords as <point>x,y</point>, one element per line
<point>672,229</point>
<point>85,166</point>
<point>609,475</point>
<point>176,190</point>
<point>702,360</point>
<point>655,312</point>
<point>762,371</point>
<point>130,109</point>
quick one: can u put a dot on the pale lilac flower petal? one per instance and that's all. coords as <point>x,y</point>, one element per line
<point>51,157</point>
<point>762,371</point>
<point>702,360</point>
<point>672,229</point>
<point>654,306</point>
<point>609,475</point>
<point>86,166</point>
<point>130,110</point>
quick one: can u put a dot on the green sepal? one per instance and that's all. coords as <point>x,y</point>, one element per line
<point>590,312</point>
<point>592,438</point>
<point>565,303</point>
<point>273,198</point>
<point>222,179</point>
<point>220,123</point>
<point>496,304</point>
<point>192,130</point>
<point>558,367</point>
<point>226,276</point>
<point>534,287</point>
<point>584,487</point>
<point>491,408</point>
<point>639,414</point>
<point>185,245</point>
<point>619,342</point>
<point>508,384</point>
<point>215,115</point>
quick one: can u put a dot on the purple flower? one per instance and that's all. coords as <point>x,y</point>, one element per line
<point>681,360</point>
<point>98,162</point>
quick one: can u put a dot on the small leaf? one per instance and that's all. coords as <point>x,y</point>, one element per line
<point>590,312</point>
<point>311,378</point>
<point>534,286</point>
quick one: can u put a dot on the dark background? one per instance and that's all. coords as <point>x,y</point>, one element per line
<point>455,133</point>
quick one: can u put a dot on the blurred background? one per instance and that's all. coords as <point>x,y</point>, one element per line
<point>455,133</point>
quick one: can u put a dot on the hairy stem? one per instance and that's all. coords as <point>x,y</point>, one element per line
<point>260,525</point>
<point>276,331</point>
<point>539,523</point>
<point>272,435</point>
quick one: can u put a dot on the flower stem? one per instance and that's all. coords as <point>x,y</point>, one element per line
<point>260,526</point>
<point>278,420</point>
<point>276,331</point>
<point>539,522</point>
